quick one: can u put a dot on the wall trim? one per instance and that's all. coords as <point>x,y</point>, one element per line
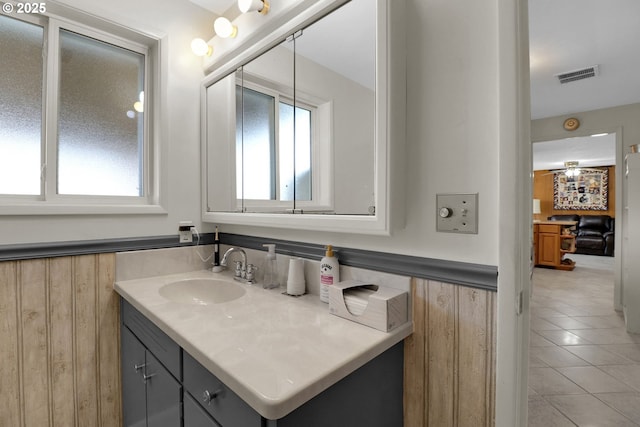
<point>85,247</point>
<point>455,272</point>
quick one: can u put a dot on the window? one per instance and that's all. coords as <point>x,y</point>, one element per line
<point>75,117</point>
<point>21,109</point>
<point>269,127</point>
<point>100,132</point>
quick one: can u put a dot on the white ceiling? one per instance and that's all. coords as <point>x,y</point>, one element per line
<point>216,6</point>
<point>566,35</point>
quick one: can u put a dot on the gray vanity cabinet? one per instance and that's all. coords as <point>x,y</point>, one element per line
<point>151,395</point>
<point>371,396</point>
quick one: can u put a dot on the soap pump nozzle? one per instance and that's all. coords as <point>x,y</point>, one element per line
<point>271,250</point>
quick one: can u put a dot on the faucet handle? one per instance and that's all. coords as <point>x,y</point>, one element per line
<point>238,272</point>
<point>251,270</point>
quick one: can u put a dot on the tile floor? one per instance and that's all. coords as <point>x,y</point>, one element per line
<point>584,368</point>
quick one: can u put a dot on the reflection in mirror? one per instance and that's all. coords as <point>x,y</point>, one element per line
<point>255,142</point>
<point>338,67</point>
<point>264,135</point>
<point>307,145</point>
<point>220,148</point>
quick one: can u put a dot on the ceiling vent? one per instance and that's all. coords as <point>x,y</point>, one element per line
<point>572,76</point>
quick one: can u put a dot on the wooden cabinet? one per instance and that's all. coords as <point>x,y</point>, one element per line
<point>551,242</point>
<point>155,369</point>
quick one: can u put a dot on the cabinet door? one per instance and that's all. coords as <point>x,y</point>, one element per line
<point>133,388</point>
<point>194,415</point>
<point>549,247</point>
<point>163,395</point>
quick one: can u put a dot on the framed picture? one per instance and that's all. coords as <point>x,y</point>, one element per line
<point>587,191</point>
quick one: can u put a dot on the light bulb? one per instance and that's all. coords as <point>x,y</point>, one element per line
<point>138,106</point>
<point>224,28</point>
<point>201,48</point>
<point>253,5</point>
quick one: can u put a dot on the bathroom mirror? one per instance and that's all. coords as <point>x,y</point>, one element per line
<point>298,135</point>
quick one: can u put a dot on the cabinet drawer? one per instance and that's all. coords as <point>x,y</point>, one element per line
<point>194,415</point>
<point>159,343</point>
<point>226,407</point>
<point>549,228</point>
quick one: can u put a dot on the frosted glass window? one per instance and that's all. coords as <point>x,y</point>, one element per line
<point>21,73</point>
<point>100,132</point>
<point>295,153</point>
<point>255,145</point>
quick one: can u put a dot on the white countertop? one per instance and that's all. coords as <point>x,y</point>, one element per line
<point>276,352</point>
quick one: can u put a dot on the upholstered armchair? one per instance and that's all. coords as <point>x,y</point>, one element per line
<point>594,233</point>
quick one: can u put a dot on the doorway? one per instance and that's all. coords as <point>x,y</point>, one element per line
<point>576,370</point>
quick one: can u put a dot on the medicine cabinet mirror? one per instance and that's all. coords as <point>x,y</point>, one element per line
<point>297,136</point>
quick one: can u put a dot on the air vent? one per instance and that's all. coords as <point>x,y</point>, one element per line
<point>572,76</point>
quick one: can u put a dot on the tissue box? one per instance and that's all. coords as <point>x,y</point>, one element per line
<point>376,306</point>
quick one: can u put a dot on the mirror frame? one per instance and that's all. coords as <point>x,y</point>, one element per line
<point>389,120</point>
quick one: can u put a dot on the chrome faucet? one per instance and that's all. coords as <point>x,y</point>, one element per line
<point>241,268</point>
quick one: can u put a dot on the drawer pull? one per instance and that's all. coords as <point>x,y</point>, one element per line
<point>138,367</point>
<point>207,396</point>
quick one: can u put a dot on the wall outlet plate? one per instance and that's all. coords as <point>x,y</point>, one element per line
<point>186,236</point>
<point>184,230</point>
<point>457,213</point>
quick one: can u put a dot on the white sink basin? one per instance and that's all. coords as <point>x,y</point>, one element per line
<point>201,291</point>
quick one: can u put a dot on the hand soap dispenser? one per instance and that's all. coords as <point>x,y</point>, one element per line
<point>329,273</point>
<point>270,268</point>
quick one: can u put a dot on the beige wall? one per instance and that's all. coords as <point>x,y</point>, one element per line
<point>624,118</point>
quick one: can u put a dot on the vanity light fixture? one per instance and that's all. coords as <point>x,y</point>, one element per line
<point>224,28</point>
<point>260,6</point>
<point>201,47</point>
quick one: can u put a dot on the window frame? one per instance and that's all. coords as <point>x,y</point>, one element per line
<point>49,202</point>
<point>321,149</point>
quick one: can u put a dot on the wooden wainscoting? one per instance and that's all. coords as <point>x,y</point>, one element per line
<point>450,358</point>
<point>59,335</point>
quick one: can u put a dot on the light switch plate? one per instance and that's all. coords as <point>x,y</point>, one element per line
<point>457,213</point>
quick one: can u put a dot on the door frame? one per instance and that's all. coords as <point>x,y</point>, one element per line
<point>515,240</point>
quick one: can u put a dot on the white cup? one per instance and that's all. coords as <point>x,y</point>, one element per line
<point>295,281</point>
